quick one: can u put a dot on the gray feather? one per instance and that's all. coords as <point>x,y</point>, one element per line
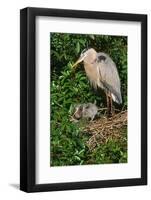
<point>102,72</point>
<point>109,76</point>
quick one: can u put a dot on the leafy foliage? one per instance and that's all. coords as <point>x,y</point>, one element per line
<point>68,143</point>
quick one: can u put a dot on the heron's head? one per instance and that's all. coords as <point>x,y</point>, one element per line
<point>87,55</point>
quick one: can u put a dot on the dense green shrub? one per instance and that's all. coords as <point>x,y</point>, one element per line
<point>68,143</point>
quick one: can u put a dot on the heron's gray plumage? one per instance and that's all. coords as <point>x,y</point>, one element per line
<point>102,72</point>
<point>109,76</point>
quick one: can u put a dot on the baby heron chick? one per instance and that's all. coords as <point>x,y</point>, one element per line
<point>102,73</point>
<point>85,111</point>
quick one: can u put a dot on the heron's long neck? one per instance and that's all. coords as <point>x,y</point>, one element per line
<point>93,74</point>
<point>91,70</point>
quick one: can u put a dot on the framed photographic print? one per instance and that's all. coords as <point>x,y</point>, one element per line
<point>83,99</point>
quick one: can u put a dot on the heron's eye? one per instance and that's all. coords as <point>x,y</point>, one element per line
<point>83,55</point>
<point>84,51</point>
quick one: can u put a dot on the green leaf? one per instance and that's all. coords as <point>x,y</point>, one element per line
<point>77,47</point>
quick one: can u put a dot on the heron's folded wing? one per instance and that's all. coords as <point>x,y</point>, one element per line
<point>109,76</point>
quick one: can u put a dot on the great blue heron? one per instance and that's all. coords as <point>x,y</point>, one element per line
<point>102,73</point>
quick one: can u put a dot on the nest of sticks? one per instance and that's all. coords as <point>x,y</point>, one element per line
<point>103,129</point>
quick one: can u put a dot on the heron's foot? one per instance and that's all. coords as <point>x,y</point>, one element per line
<point>109,114</point>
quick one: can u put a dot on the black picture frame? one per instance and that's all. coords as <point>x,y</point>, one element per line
<point>28,99</point>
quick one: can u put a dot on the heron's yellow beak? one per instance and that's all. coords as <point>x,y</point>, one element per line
<point>77,62</point>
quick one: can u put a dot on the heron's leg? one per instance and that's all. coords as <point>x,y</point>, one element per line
<point>109,105</point>
<point>107,101</point>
